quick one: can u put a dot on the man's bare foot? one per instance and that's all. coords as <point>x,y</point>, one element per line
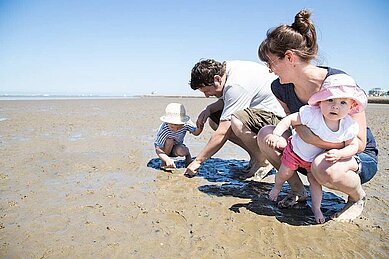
<point>246,169</point>
<point>319,217</point>
<point>273,194</point>
<point>350,211</point>
<point>291,199</point>
<point>258,172</point>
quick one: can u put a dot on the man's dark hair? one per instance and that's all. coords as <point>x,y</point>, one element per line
<point>204,71</point>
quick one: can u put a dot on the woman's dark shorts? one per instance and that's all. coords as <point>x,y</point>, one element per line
<point>367,167</point>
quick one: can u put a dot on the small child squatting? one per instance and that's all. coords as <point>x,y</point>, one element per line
<point>170,137</point>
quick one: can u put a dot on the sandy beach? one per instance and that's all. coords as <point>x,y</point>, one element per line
<point>80,179</point>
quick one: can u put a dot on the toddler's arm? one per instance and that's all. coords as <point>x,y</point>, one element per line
<point>350,149</point>
<point>282,126</point>
<point>164,157</point>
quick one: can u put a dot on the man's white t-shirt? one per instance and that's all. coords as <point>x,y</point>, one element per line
<point>248,86</point>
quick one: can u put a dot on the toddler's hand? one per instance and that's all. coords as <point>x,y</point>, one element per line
<point>170,163</point>
<point>272,141</point>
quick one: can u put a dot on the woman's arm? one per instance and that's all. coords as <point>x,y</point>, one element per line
<point>360,118</point>
<point>350,149</point>
<point>284,106</point>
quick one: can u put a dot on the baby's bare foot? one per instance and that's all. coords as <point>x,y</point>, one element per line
<point>273,194</point>
<point>319,217</point>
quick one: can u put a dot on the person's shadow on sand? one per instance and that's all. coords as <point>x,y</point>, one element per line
<point>217,170</point>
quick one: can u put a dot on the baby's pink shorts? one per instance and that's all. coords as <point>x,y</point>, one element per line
<point>293,161</point>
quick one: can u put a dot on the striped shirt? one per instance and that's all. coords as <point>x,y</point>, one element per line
<point>164,133</point>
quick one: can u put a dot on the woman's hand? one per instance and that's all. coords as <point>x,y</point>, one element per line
<point>333,155</point>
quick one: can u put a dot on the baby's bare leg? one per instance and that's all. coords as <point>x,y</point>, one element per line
<point>283,174</point>
<point>182,150</point>
<point>316,196</point>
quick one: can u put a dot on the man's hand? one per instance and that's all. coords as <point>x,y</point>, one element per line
<point>203,116</point>
<point>192,169</point>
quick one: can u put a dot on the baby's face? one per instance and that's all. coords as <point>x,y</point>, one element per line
<point>336,109</point>
<point>175,127</point>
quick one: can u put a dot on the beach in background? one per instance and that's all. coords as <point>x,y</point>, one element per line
<point>80,179</point>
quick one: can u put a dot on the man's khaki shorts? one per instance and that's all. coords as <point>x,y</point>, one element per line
<point>253,119</point>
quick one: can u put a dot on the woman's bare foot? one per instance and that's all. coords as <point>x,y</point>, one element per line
<point>273,194</point>
<point>319,217</point>
<point>291,199</point>
<point>350,211</point>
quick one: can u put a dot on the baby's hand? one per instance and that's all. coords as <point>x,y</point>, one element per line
<point>170,163</point>
<point>333,155</point>
<point>272,141</point>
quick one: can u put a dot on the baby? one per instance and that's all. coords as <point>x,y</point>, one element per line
<point>170,137</point>
<point>327,116</point>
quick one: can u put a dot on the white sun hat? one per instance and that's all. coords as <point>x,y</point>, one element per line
<point>175,113</point>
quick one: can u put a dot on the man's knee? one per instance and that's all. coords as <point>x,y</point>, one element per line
<point>263,134</point>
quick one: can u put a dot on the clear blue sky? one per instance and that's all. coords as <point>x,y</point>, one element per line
<point>140,46</point>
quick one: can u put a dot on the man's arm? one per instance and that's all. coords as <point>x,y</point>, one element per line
<point>211,108</point>
<point>219,137</point>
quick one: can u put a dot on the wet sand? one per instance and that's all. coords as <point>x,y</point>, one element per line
<point>78,179</point>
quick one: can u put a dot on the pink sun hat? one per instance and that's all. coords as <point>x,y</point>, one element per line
<point>341,86</point>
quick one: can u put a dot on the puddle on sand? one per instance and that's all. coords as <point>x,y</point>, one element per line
<point>225,174</point>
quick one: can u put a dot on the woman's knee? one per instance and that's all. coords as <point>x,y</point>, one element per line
<point>325,173</point>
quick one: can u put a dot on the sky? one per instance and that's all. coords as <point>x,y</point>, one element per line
<point>139,47</point>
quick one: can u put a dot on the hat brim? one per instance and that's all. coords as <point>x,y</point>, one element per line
<point>175,120</point>
<point>357,95</point>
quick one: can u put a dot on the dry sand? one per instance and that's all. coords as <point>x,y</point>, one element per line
<point>77,180</point>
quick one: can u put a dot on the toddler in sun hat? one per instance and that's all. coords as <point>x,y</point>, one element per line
<point>341,86</point>
<point>169,141</point>
<point>328,117</point>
